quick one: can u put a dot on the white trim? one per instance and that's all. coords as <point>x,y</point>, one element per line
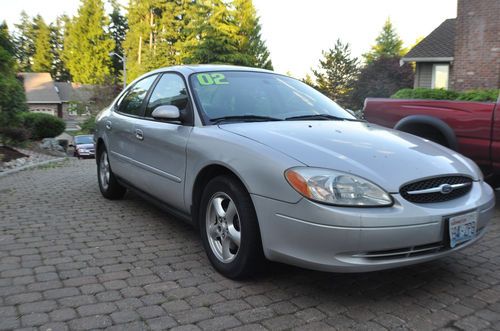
<point>433,78</point>
<point>427,59</point>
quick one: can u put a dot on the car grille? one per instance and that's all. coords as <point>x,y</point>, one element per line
<point>413,251</point>
<point>416,191</point>
<point>404,252</point>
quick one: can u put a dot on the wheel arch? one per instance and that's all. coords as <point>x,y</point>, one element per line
<point>206,174</point>
<point>416,123</point>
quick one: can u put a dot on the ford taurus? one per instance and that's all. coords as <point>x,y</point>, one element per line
<point>267,167</point>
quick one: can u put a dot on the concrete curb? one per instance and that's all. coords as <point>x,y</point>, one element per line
<point>29,166</point>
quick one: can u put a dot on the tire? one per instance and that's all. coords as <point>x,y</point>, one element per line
<point>226,216</point>
<point>109,186</point>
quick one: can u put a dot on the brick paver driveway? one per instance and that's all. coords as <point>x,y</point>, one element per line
<point>69,259</point>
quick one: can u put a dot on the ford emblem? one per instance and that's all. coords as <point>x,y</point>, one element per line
<point>446,188</point>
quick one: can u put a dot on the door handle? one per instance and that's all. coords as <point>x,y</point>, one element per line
<point>139,134</point>
<point>108,125</point>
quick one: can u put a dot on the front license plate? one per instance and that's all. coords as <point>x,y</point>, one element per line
<point>462,228</point>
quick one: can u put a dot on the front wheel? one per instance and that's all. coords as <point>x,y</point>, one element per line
<point>109,186</point>
<point>229,228</point>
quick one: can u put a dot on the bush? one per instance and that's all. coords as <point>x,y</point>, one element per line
<point>15,135</point>
<point>42,125</point>
<point>88,126</point>
<point>442,94</point>
<point>479,95</point>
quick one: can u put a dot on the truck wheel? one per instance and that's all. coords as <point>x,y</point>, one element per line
<point>229,228</point>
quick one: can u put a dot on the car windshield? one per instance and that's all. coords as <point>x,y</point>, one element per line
<point>258,96</point>
<point>84,140</point>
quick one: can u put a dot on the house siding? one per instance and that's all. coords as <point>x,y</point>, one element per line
<point>477,45</point>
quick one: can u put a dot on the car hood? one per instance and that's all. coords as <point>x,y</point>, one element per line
<point>387,157</point>
<point>86,146</point>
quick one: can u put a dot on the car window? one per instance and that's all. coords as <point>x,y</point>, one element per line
<point>84,140</point>
<point>233,93</point>
<point>170,90</point>
<point>132,102</point>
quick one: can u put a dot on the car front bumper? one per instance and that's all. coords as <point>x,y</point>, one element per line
<point>344,239</point>
<point>86,154</point>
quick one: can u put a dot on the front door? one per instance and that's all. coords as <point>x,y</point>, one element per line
<point>161,149</point>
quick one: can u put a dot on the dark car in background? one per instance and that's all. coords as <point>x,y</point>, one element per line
<point>84,146</point>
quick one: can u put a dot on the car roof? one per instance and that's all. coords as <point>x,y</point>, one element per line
<point>194,68</point>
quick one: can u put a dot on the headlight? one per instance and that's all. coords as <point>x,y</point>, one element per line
<point>336,188</point>
<point>83,150</point>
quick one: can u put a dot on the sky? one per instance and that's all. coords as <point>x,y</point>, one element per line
<point>296,31</point>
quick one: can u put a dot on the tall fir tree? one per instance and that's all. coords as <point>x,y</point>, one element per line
<point>87,44</point>
<point>141,17</point>
<point>58,31</point>
<point>337,72</point>
<point>388,44</point>
<point>117,29</point>
<point>158,33</point>
<point>12,97</point>
<point>253,49</point>
<point>214,37</point>
<point>24,42</point>
<point>42,59</point>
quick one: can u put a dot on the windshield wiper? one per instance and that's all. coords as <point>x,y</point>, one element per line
<point>244,118</point>
<point>320,117</point>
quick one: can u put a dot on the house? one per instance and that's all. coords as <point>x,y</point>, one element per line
<point>61,99</point>
<point>462,53</point>
<point>41,93</point>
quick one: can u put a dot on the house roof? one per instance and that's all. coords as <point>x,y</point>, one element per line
<point>65,90</point>
<point>439,45</point>
<point>39,88</point>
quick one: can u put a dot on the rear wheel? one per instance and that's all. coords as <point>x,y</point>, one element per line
<point>229,228</point>
<point>109,186</point>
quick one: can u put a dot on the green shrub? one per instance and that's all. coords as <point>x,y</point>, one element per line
<point>42,125</point>
<point>425,93</point>
<point>88,126</point>
<point>479,95</point>
<point>14,135</point>
<point>442,94</point>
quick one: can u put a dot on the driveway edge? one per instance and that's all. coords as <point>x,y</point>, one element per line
<point>29,166</point>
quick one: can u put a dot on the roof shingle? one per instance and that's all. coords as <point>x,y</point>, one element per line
<point>440,43</point>
<point>39,88</point>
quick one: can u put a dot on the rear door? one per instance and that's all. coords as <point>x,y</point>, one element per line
<point>120,128</point>
<point>161,145</point>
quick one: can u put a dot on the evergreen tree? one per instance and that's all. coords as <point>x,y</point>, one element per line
<point>87,45</point>
<point>117,29</point>
<point>12,97</point>
<point>139,37</point>
<point>216,31</point>
<point>337,73</point>
<point>253,49</point>
<point>42,59</point>
<point>24,41</point>
<point>58,32</point>
<point>388,44</point>
<point>381,79</point>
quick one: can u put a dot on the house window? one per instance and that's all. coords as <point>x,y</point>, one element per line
<point>440,74</point>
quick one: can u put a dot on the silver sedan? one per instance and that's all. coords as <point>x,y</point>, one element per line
<point>267,167</point>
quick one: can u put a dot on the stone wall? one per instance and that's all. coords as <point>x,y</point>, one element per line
<point>477,45</point>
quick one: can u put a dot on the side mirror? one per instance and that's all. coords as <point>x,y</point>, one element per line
<point>167,112</point>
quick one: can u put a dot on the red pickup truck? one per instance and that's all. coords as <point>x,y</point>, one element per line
<point>471,128</point>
